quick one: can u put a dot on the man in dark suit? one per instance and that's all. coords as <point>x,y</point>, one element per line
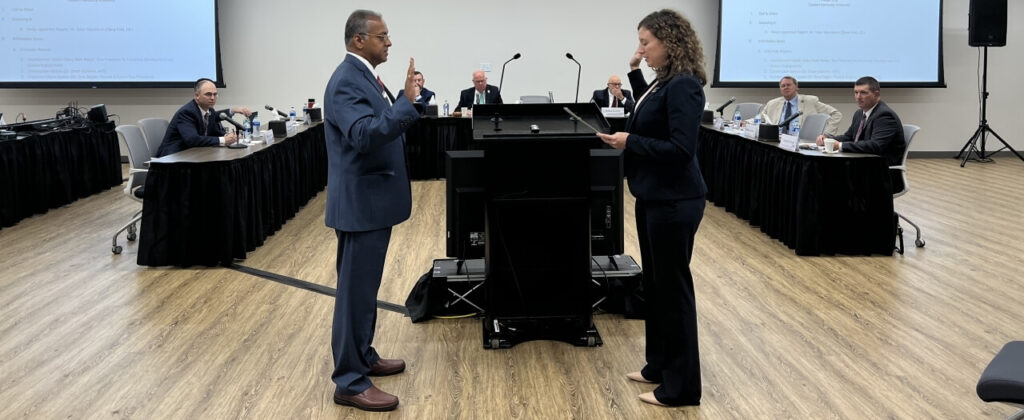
<point>480,93</point>
<point>368,192</point>
<point>614,96</point>
<point>425,94</point>
<point>875,129</point>
<point>196,124</point>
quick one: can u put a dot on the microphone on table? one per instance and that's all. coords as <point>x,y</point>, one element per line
<point>502,80</point>
<point>224,117</point>
<point>785,122</point>
<point>579,71</point>
<point>727,103</point>
<point>279,112</point>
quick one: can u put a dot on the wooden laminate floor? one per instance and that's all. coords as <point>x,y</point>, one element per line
<point>88,334</point>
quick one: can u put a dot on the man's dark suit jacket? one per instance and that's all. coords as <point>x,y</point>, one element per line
<point>367,182</point>
<point>186,130</point>
<point>425,95</point>
<point>661,151</point>
<point>468,97</point>
<point>883,134</point>
<point>601,99</point>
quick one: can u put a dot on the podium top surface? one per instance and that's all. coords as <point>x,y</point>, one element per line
<point>537,122</point>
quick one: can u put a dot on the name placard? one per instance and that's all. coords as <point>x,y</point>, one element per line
<point>750,131</point>
<point>613,112</point>
<point>789,142</point>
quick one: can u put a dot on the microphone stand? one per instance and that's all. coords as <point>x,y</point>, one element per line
<point>579,71</point>
<point>502,80</point>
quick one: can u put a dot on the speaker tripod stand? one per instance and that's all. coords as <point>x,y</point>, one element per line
<point>984,129</point>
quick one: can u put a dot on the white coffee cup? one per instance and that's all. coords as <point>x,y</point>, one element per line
<point>830,146</point>
<point>465,112</point>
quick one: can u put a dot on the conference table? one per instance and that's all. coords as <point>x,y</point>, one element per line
<point>813,202</point>
<point>210,205</point>
<point>46,170</point>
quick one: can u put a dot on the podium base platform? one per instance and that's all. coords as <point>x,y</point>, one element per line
<point>614,287</point>
<point>505,332</point>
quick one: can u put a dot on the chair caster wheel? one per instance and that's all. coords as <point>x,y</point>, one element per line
<point>132,236</point>
<point>117,249</point>
<point>591,341</point>
<point>495,343</point>
<point>919,243</point>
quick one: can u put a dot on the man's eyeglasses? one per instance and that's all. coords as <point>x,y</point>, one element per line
<point>384,37</point>
<point>615,84</point>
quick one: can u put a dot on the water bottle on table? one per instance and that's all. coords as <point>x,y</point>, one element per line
<point>446,108</point>
<point>246,127</point>
<point>256,126</point>
<point>291,115</point>
<point>795,128</point>
<point>737,118</point>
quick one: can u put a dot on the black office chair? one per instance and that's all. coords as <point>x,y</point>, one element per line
<point>1003,378</point>
<point>138,155</point>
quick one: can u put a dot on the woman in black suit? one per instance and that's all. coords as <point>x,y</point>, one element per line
<point>660,146</point>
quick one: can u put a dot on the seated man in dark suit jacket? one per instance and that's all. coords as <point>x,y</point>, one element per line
<point>425,94</point>
<point>875,129</point>
<point>614,96</point>
<point>481,91</point>
<point>196,124</point>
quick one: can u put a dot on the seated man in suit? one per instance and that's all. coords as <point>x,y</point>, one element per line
<point>614,96</point>
<point>196,123</point>
<point>480,93</point>
<point>425,94</point>
<point>875,129</point>
<point>778,109</point>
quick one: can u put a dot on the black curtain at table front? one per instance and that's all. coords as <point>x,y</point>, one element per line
<point>428,140</point>
<point>211,213</point>
<point>814,204</point>
<point>52,169</point>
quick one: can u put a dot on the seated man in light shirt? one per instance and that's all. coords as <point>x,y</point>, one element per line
<point>791,102</point>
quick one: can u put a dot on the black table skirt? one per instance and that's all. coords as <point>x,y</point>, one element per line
<point>814,204</point>
<point>49,170</point>
<point>428,140</point>
<point>211,213</point>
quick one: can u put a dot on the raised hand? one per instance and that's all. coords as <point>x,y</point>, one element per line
<point>634,62</point>
<point>411,89</point>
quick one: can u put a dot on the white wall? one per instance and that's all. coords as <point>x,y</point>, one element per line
<point>281,53</point>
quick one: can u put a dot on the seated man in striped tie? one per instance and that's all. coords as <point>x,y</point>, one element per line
<point>196,123</point>
<point>480,93</point>
<point>875,129</point>
<point>614,96</point>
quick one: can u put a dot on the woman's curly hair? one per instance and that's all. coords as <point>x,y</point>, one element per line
<point>685,55</point>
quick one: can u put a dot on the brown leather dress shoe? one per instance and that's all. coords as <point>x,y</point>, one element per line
<point>385,367</point>
<point>373,399</point>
